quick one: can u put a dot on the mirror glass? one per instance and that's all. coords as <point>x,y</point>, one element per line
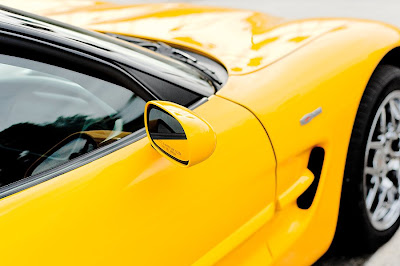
<point>168,134</point>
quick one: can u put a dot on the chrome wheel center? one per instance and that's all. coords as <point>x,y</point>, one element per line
<point>382,165</point>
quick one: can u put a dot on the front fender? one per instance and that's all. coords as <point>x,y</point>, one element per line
<point>330,72</point>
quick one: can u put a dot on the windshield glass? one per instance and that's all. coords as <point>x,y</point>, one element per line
<point>123,52</point>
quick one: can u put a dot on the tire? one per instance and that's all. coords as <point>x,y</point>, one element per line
<point>361,228</point>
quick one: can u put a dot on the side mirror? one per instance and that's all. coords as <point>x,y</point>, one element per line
<point>178,133</point>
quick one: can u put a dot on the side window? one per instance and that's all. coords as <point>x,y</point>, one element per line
<point>50,115</point>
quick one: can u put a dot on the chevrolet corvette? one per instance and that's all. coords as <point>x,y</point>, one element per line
<point>175,134</point>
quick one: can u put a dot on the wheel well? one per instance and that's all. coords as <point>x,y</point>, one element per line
<point>392,58</point>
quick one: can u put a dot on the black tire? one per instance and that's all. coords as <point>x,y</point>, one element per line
<point>355,233</point>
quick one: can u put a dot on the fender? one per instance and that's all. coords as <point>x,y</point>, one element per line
<point>330,72</point>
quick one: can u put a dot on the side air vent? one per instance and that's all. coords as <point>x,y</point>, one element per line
<point>315,166</point>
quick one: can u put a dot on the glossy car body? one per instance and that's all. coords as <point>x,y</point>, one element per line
<point>133,207</point>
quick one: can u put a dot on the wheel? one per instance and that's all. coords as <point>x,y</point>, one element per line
<point>370,203</point>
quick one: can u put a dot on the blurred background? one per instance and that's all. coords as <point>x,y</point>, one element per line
<point>383,10</point>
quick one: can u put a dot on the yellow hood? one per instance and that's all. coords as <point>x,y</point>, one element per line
<point>244,41</point>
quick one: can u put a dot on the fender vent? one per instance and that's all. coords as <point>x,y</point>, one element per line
<point>315,166</point>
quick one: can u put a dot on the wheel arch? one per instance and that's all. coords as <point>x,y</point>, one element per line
<point>392,58</point>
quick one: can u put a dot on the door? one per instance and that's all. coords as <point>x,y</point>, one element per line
<point>83,186</point>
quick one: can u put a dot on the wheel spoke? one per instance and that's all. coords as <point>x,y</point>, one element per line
<point>372,192</point>
<point>380,207</point>
<point>382,121</point>
<point>391,195</point>
<point>381,212</point>
<point>376,145</point>
<point>394,211</point>
<point>394,111</point>
<point>371,171</point>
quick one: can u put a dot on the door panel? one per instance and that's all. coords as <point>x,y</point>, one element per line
<point>135,207</point>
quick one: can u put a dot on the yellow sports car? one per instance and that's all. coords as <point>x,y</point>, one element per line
<point>267,139</point>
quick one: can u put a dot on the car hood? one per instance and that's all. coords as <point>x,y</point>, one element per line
<point>242,40</point>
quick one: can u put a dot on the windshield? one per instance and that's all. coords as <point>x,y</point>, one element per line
<point>129,54</point>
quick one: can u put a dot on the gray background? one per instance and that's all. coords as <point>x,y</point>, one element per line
<point>383,10</point>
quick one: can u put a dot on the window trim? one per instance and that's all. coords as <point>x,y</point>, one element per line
<point>38,50</point>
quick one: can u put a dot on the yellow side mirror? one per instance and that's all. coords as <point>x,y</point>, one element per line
<point>178,133</point>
